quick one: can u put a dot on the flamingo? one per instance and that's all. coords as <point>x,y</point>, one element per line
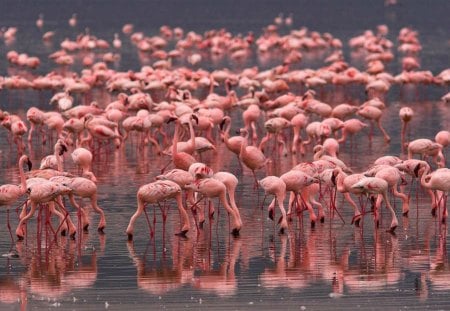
<point>379,186</point>
<point>10,193</point>
<point>156,192</point>
<point>73,20</point>
<point>374,114</point>
<point>181,160</point>
<point>54,161</point>
<point>275,185</point>
<point>393,176</point>
<point>405,114</point>
<point>251,156</point>
<point>84,188</point>
<point>233,143</point>
<point>41,192</point>
<point>344,183</point>
<point>295,181</point>
<point>210,188</point>
<point>426,147</point>
<point>438,180</point>
<point>82,157</point>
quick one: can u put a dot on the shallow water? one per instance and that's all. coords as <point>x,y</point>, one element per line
<point>333,266</point>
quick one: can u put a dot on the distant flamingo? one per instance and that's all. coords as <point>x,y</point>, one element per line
<point>374,114</point>
<point>154,193</point>
<point>351,127</point>
<point>73,20</point>
<point>375,185</point>
<point>40,21</point>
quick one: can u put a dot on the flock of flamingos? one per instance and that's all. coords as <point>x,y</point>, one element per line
<point>279,109</point>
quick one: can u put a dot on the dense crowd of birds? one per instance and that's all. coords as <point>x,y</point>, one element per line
<point>172,94</point>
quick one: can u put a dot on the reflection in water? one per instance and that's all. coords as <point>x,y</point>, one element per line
<point>191,264</point>
<point>52,272</point>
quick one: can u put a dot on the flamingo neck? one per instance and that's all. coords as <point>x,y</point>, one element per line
<point>175,140</point>
<point>192,133</point>
<point>244,145</point>
<point>423,182</point>
<point>23,182</point>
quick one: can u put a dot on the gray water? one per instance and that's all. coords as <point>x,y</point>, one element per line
<point>333,266</point>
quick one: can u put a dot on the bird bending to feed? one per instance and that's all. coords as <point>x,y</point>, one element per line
<point>154,193</point>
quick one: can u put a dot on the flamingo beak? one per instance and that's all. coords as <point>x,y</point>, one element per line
<point>416,170</point>
<point>29,164</point>
<point>195,118</point>
<point>222,124</point>
<point>171,119</point>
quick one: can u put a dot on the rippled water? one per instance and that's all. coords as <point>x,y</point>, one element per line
<point>333,266</point>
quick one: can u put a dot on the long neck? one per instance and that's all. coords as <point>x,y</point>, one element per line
<point>192,133</point>
<point>58,158</point>
<point>244,145</point>
<point>423,182</point>
<point>175,140</point>
<point>340,182</point>
<point>226,133</point>
<point>318,154</point>
<point>23,182</point>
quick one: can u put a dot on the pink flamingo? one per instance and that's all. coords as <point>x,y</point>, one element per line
<point>295,181</point>
<point>82,157</point>
<point>10,193</point>
<point>426,147</point>
<point>36,118</point>
<point>251,116</point>
<point>393,177</point>
<point>181,160</point>
<point>251,156</point>
<point>156,192</point>
<point>233,143</point>
<point>344,183</point>
<point>54,161</point>
<point>351,127</point>
<point>43,192</point>
<point>406,114</point>
<point>298,122</point>
<point>275,185</point>
<point>230,181</point>
<point>190,145</point>
<point>274,127</point>
<point>83,188</point>
<point>438,180</point>
<point>379,186</point>
<point>210,188</point>
<point>412,168</point>
<point>374,114</point>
